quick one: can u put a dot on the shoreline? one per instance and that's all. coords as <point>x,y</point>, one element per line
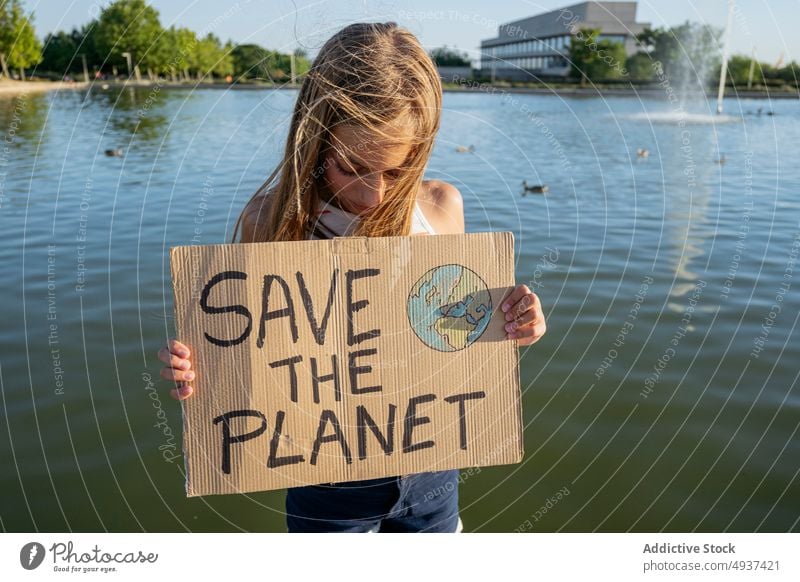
<point>19,87</point>
<point>22,87</point>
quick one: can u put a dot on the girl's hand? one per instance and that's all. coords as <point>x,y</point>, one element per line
<point>524,316</point>
<point>178,368</point>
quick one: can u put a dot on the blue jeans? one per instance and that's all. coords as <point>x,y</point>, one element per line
<point>421,502</point>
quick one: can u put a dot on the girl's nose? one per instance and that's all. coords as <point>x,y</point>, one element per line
<point>374,189</point>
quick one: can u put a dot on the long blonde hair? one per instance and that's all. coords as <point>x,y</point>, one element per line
<point>368,75</point>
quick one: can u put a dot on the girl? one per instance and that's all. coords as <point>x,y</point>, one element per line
<point>361,133</point>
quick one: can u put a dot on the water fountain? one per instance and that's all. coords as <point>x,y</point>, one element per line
<point>684,62</point>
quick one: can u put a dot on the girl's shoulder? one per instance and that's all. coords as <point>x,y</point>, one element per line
<point>442,205</point>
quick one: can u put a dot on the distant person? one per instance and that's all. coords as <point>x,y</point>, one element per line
<point>360,137</point>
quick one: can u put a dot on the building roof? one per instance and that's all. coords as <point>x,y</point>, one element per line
<point>611,17</point>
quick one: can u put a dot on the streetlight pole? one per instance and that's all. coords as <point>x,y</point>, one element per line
<point>130,68</point>
<point>85,68</point>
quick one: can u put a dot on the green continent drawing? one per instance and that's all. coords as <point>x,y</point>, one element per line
<point>449,308</point>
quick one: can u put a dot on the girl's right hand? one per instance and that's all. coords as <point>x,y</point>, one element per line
<point>178,368</point>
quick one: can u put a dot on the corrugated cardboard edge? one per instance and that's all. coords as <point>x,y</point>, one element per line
<point>176,266</point>
<point>508,241</point>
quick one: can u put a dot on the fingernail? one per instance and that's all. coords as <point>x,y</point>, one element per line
<point>509,317</point>
<point>506,307</point>
<point>189,375</point>
<point>183,353</point>
<point>185,390</point>
<point>512,336</point>
<point>184,365</point>
<point>509,327</point>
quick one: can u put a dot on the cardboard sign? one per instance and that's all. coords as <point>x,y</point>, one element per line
<point>346,359</point>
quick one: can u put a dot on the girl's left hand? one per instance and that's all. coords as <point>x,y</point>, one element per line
<point>524,316</point>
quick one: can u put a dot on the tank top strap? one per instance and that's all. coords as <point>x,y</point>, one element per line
<point>419,223</point>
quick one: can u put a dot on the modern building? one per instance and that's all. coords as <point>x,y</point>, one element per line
<point>539,45</point>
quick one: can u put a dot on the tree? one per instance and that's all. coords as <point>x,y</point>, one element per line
<point>129,26</point>
<point>62,51</point>
<point>278,65</point>
<point>445,57</point>
<point>85,41</point>
<point>688,52</point>
<point>249,61</point>
<point>59,53</point>
<point>790,74</point>
<point>595,59</point>
<point>211,58</point>
<point>225,66</point>
<point>301,62</point>
<point>18,43</point>
<point>639,67</point>
<point>175,51</point>
<point>739,70</point>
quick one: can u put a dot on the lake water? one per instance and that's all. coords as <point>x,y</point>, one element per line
<point>663,397</point>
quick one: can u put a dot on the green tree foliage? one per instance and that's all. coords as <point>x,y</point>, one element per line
<point>210,58</point>
<point>301,62</point>
<point>130,26</point>
<point>688,51</point>
<point>445,57</point>
<point>248,60</point>
<point>640,67</point>
<point>251,61</point>
<point>175,50</point>
<point>790,74</point>
<point>691,52</point>
<point>59,53</point>
<point>763,73</point>
<point>62,51</point>
<point>18,42</point>
<point>739,70</point>
<point>596,59</point>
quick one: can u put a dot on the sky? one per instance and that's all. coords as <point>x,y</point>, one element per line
<point>768,25</point>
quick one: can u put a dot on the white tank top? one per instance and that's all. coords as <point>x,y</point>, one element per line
<point>333,221</point>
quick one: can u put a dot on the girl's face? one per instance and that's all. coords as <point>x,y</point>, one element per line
<point>360,167</point>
